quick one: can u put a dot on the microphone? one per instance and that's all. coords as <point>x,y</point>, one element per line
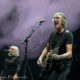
<point>41,21</point>
<point>6,50</point>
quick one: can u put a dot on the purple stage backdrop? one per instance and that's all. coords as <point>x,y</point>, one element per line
<point>18,17</point>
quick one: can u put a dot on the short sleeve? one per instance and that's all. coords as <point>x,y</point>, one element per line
<point>69,38</point>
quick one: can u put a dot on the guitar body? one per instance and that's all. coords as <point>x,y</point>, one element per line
<point>44,72</point>
<point>47,65</point>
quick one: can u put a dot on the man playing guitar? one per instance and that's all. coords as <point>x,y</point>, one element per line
<point>62,59</point>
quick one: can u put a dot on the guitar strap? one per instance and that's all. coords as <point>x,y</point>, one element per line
<point>56,49</point>
<point>57,46</point>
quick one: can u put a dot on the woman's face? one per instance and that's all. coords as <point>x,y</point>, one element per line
<point>11,50</point>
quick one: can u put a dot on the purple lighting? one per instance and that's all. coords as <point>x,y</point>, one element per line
<point>18,17</point>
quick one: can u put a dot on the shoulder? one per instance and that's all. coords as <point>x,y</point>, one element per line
<point>53,33</point>
<point>68,33</point>
<point>69,36</point>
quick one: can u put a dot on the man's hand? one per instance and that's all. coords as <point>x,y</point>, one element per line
<point>39,62</point>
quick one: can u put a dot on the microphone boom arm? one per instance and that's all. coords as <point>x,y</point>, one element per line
<point>33,30</point>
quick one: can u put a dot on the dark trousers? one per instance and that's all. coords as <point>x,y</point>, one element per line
<point>60,72</point>
<point>8,74</point>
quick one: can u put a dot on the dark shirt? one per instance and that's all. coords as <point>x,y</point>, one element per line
<point>11,65</point>
<point>66,37</point>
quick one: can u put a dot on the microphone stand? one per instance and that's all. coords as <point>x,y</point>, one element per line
<point>26,64</point>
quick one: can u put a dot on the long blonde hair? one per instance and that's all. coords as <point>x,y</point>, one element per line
<point>16,52</point>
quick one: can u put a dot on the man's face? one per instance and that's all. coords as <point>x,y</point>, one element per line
<point>57,21</point>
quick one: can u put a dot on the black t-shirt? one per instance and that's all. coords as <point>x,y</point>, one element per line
<point>11,65</point>
<point>62,39</point>
<point>66,37</point>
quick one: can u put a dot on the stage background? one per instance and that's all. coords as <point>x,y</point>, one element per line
<point>19,17</point>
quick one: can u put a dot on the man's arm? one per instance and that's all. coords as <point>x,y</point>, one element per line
<point>66,55</point>
<point>44,52</point>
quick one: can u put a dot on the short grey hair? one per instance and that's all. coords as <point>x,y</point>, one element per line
<point>16,50</point>
<point>64,19</point>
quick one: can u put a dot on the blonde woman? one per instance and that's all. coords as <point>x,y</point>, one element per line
<point>11,65</point>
